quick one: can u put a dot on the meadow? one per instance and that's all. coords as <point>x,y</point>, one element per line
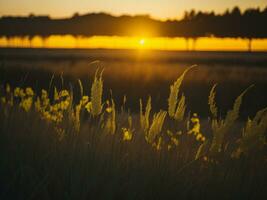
<point>139,74</point>
<point>69,136</point>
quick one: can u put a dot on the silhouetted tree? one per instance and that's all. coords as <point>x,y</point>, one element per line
<point>234,24</point>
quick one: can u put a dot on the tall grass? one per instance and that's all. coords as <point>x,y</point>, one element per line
<point>176,106</point>
<point>96,94</point>
<point>56,148</point>
<point>221,127</point>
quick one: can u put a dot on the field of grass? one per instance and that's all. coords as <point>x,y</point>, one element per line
<point>142,74</point>
<point>76,143</point>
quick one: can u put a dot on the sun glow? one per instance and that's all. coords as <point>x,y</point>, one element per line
<point>142,42</point>
<point>116,42</point>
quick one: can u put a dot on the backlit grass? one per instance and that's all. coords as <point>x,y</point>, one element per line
<point>55,147</point>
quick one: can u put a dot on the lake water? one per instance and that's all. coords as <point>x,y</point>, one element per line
<point>119,42</point>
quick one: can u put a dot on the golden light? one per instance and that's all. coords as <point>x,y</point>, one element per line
<point>118,42</point>
<point>142,42</point>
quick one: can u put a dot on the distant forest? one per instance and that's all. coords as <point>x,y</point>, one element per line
<point>250,24</point>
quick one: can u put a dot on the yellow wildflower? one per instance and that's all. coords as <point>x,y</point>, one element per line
<point>29,91</point>
<point>17,92</point>
<point>195,125</point>
<point>26,104</point>
<point>46,115</point>
<point>21,93</point>
<point>175,141</point>
<point>64,105</point>
<point>44,94</point>
<point>88,106</point>
<point>198,136</point>
<point>109,109</point>
<point>85,100</point>
<point>127,134</point>
<point>64,93</point>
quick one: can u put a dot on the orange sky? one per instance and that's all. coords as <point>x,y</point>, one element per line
<point>156,8</point>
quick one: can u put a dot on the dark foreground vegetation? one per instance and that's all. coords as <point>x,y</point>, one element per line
<point>57,148</point>
<point>94,165</point>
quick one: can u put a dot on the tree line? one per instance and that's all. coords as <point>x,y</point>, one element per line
<point>249,24</point>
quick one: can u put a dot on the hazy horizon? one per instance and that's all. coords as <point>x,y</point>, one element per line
<point>202,32</point>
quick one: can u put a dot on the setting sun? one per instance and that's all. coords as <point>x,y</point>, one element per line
<point>142,42</point>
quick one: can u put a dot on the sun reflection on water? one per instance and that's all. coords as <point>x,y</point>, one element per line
<point>117,42</point>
